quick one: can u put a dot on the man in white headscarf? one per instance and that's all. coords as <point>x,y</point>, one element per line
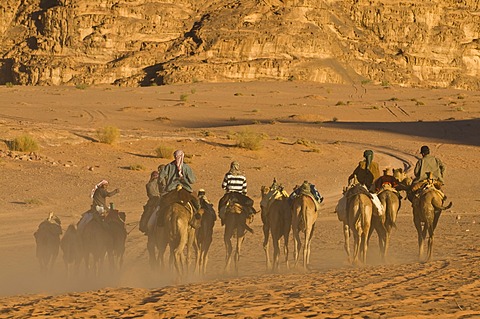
<point>177,173</point>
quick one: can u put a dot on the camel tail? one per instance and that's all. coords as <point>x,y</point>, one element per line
<point>444,207</point>
<point>248,228</point>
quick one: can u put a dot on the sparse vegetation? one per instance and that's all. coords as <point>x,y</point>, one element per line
<point>366,81</point>
<point>137,167</point>
<point>393,99</point>
<point>249,140</point>
<point>385,83</point>
<point>232,119</point>
<point>32,201</point>
<point>375,107</point>
<point>419,103</point>
<point>335,119</point>
<point>238,94</point>
<point>163,151</point>
<point>81,86</point>
<point>193,90</point>
<point>9,85</point>
<point>208,134</point>
<point>459,109</point>
<point>24,143</point>
<point>304,142</point>
<point>184,97</point>
<point>108,134</point>
<point>340,103</point>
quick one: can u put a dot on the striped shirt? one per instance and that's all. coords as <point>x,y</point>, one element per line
<point>235,183</point>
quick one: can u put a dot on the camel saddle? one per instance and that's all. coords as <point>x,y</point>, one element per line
<point>305,190</point>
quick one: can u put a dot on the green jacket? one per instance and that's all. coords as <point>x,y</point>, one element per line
<point>429,163</point>
<point>170,174</point>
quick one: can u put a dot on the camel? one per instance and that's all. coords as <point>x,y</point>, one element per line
<point>47,238</point>
<point>95,240</point>
<point>71,248</point>
<point>359,217</point>
<point>384,224</point>
<point>204,235</point>
<point>235,226</point>
<point>157,242</point>
<point>304,216</point>
<point>115,221</point>
<point>277,220</point>
<point>180,223</point>
<point>426,213</point>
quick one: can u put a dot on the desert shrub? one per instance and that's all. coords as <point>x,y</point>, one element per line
<point>108,134</point>
<point>340,103</point>
<point>232,119</point>
<point>81,86</point>
<point>249,140</point>
<point>163,151</point>
<point>24,143</point>
<point>9,85</point>
<point>335,119</point>
<point>137,167</point>
<point>184,97</point>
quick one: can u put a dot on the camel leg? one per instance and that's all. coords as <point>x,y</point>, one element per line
<point>240,239</point>
<point>228,249</point>
<point>309,230</point>
<point>346,244</point>
<point>285,247</point>
<point>276,253</point>
<point>266,234</point>
<point>297,246</point>
<point>430,243</point>
<point>418,227</point>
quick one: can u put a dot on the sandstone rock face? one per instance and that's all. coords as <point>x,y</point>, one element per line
<point>145,42</point>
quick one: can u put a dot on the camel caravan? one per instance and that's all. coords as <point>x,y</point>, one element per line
<point>184,222</point>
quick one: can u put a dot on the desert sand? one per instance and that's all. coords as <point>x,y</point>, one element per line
<point>315,132</point>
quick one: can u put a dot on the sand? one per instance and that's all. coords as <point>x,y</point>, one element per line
<point>310,132</point>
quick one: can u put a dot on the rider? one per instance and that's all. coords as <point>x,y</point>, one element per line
<point>428,166</point>
<point>386,179</point>
<point>235,181</point>
<point>365,174</point>
<point>153,194</point>
<point>99,196</point>
<point>179,174</point>
<point>367,171</point>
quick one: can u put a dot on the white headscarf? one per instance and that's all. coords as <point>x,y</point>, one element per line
<point>179,155</point>
<point>103,182</point>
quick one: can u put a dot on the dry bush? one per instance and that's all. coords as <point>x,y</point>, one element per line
<point>137,167</point>
<point>24,143</point>
<point>249,140</point>
<point>163,151</point>
<point>108,134</point>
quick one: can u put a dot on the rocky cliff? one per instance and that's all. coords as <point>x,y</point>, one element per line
<point>145,42</point>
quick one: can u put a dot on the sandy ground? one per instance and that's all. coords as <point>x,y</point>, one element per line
<point>310,132</point>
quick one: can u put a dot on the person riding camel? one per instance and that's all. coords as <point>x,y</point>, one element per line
<point>178,174</point>
<point>366,172</point>
<point>153,194</point>
<point>386,179</point>
<point>429,170</point>
<point>99,196</point>
<point>235,181</point>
